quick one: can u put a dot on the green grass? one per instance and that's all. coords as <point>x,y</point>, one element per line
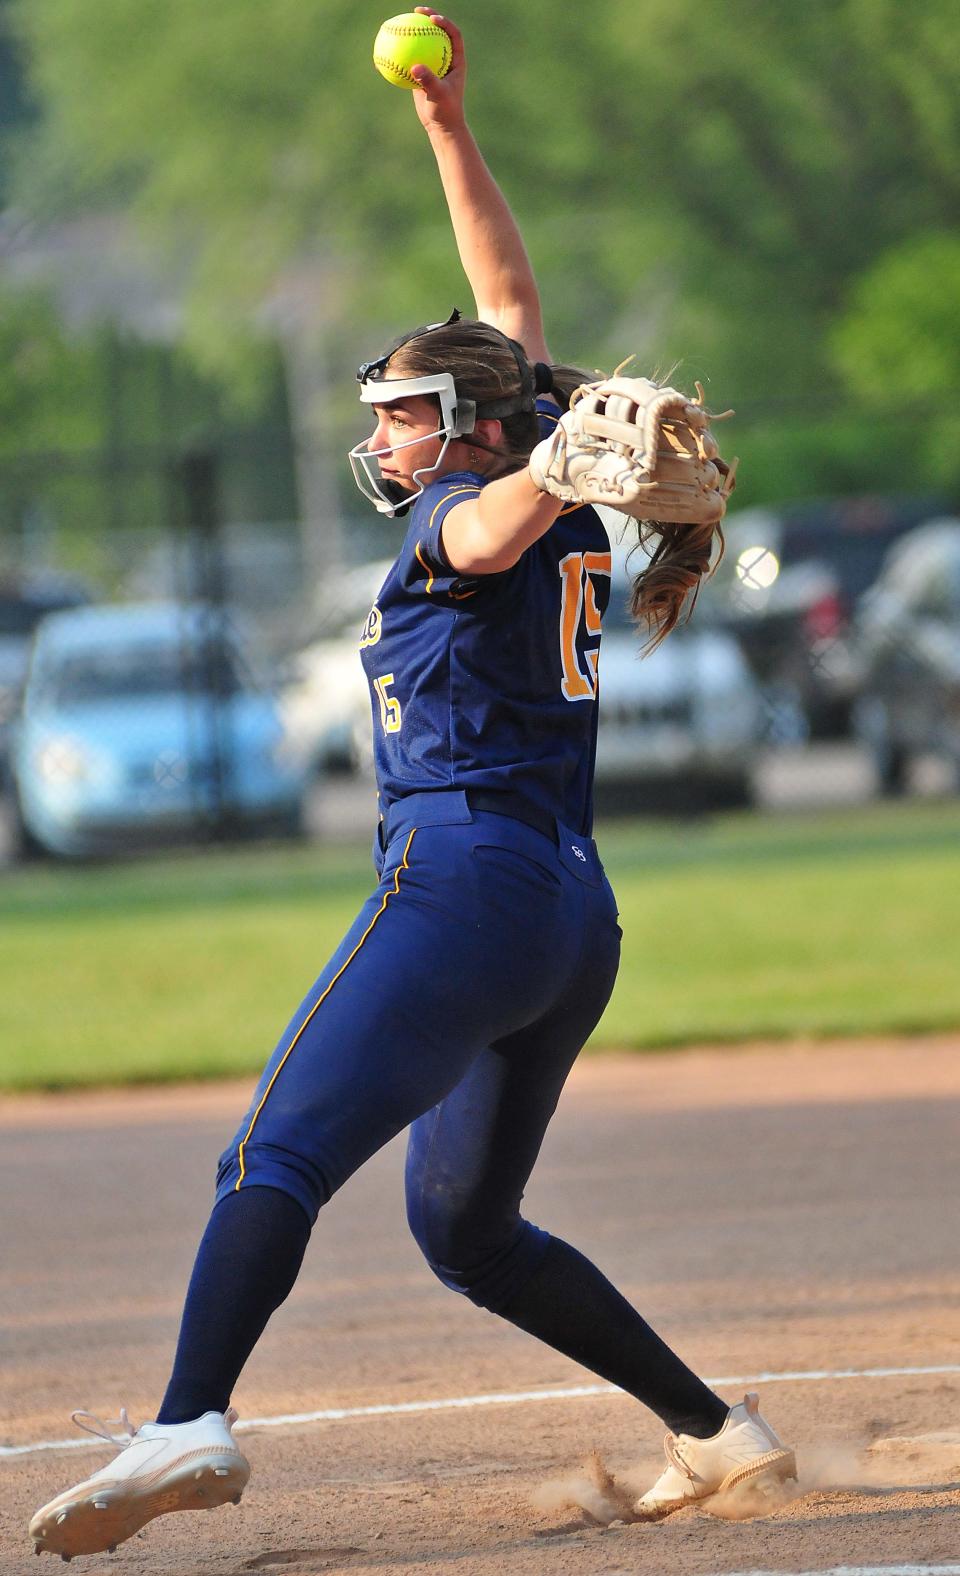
<point>740,927</point>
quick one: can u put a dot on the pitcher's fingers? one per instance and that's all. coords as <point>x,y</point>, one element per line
<point>426,79</point>
<point>452,31</point>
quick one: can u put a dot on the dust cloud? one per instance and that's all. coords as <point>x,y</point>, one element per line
<point>887,1464</point>
<point>592,1490</point>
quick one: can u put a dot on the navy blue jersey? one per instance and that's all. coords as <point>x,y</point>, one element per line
<point>490,682</point>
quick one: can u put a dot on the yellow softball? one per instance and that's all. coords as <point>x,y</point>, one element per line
<point>411,40</point>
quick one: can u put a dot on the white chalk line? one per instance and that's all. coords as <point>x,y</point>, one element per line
<point>861,1570</point>
<point>339,1414</point>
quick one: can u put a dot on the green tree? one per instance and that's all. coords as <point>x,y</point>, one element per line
<point>900,335</point>
<point>703,185</point>
<point>50,386</point>
<point>89,425</point>
<point>898,347</point>
<point>14,106</point>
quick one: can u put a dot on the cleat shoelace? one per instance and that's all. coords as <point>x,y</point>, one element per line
<point>671,1448</point>
<point>102,1429</point>
<point>92,1424</point>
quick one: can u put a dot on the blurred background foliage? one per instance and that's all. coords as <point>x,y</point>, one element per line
<point>765,195</point>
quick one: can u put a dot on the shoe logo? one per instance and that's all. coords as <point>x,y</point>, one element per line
<point>579,852</point>
<point>747,1449</point>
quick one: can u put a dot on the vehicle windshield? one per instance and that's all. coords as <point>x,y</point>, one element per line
<point>85,677</point>
<point>20,616</point>
<point>850,536</point>
<point>854,551</point>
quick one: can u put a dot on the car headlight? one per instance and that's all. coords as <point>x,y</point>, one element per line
<point>64,760</point>
<point>757,567</point>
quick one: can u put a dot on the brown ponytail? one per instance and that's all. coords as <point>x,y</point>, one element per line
<point>566,379</point>
<point>679,560</point>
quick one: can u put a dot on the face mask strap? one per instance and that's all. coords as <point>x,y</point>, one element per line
<point>372,370</point>
<point>513,404</point>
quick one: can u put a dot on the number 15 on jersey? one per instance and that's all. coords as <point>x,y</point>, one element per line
<point>390,715</point>
<point>580,623</point>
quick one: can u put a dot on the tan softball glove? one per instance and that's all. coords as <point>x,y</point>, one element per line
<point>635,446</point>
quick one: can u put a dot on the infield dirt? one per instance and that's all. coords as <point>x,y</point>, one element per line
<point>771,1210</point>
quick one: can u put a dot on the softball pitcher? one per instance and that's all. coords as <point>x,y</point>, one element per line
<point>459,999</point>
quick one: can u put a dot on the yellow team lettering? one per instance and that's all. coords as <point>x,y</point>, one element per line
<point>390,715</point>
<point>372,628</point>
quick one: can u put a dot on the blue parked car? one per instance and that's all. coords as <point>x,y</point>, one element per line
<point>142,723</point>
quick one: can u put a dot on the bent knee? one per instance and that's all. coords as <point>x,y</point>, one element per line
<point>483,1260</point>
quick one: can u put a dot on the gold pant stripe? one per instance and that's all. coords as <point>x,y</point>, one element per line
<point>403,865</point>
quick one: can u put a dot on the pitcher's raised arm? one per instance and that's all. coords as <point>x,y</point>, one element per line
<point>488,238</point>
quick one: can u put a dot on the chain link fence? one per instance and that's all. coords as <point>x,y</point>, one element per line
<point>200,674</point>
<point>159,609</point>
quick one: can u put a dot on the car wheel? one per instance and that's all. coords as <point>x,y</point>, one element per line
<point>893,771</point>
<point>18,842</point>
<point>293,824</point>
<point>891,759</point>
<point>729,793</point>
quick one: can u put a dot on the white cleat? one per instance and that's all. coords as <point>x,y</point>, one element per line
<point>745,1450</point>
<point>161,1467</point>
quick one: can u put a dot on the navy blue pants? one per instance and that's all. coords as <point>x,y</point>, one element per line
<point>455,1005</point>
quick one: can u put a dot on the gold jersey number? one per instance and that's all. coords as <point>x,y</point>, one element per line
<point>390,715</point>
<point>578,607</point>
